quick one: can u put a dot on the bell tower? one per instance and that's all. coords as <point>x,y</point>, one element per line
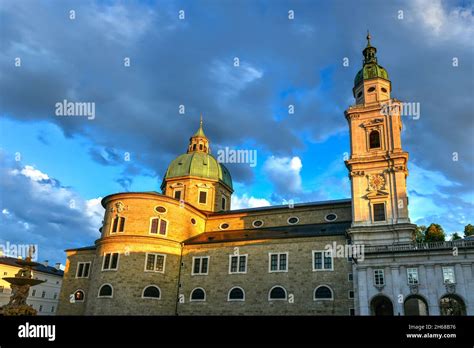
<point>377,165</point>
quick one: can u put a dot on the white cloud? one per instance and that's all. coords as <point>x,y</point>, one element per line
<point>244,202</point>
<point>95,211</point>
<point>32,173</point>
<point>443,23</point>
<point>284,173</point>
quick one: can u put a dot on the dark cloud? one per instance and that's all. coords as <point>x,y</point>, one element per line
<point>190,63</point>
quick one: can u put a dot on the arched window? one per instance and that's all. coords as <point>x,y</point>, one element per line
<point>106,290</point>
<point>381,306</point>
<point>198,294</point>
<point>452,305</point>
<point>415,305</point>
<point>236,294</point>
<point>277,293</point>
<point>151,291</point>
<point>79,296</point>
<point>374,139</point>
<point>323,292</point>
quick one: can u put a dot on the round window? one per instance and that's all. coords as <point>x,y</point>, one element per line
<point>224,226</point>
<point>193,221</point>
<point>331,217</point>
<point>293,220</point>
<point>257,223</point>
<point>160,209</point>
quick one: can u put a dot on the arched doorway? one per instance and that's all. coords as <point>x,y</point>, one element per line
<point>381,305</point>
<point>415,305</point>
<point>452,305</point>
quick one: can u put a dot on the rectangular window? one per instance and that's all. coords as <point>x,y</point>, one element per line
<point>352,311</point>
<point>379,212</point>
<point>110,261</point>
<point>200,265</point>
<point>350,277</point>
<point>158,226</point>
<point>177,194</point>
<point>33,293</point>
<point>41,308</point>
<point>379,277</point>
<point>202,197</point>
<point>163,224</point>
<point>118,224</point>
<point>279,262</point>
<point>155,263</point>
<point>154,225</point>
<point>412,275</point>
<point>238,264</point>
<point>351,294</point>
<point>83,269</point>
<point>322,261</point>
<point>55,296</point>
<point>43,294</point>
<point>52,309</point>
<point>448,275</point>
<point>223,203</point>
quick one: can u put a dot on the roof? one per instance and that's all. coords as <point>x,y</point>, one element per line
<point>279,232</point>
<point>92,247</point>
<point>199,164</point>
<point>11,261</point>
<point>284,206</point>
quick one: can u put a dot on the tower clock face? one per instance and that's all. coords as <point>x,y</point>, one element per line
<point>376,182</point>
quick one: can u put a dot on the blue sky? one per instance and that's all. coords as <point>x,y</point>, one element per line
<point>55,170</point>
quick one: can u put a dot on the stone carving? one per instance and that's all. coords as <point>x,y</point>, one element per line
<point>376,182</point>
<point>414,289</point>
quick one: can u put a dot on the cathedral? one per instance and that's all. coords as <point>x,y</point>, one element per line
<point>185,252</point>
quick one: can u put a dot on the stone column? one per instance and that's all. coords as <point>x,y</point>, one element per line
<point>362,286</point>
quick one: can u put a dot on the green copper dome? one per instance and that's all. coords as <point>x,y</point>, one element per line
<point>371,69</point>
<point>200,164</point>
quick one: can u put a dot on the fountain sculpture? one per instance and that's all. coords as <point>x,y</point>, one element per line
<point>20,285</point>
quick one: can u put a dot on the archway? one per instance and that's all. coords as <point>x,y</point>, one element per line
<point>381,305</point>
<point>415,305</point>
<point>452,305</point>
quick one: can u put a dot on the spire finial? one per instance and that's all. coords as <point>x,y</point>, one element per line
<point>200,122</point>
<point>368,38</point>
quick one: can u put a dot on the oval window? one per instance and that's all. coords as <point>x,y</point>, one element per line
<point>384,90</point>
<point>160,209</point>
<point>224,226</point>
<point>359,95</point>
<point>257,223</point>
<point>293,220</point>
<point>193,221</point>
<point>371,89</point>
<point>331,217</point>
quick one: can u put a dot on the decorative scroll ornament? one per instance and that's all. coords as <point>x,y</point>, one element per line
<point>414,289</point>
<point>450,288</point>
<point>119,207</point>
<point>379,287</point>
<point>376,182</point>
